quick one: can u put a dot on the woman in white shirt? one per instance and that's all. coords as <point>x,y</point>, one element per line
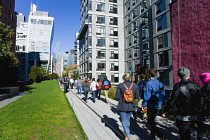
<point>93,88</point>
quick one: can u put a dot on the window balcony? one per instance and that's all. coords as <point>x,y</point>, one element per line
<point>159,28</point>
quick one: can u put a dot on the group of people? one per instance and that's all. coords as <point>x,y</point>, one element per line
<point>192,103</point>
<point>88,86</point>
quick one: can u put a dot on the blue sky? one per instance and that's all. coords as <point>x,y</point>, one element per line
<point>66,15</point>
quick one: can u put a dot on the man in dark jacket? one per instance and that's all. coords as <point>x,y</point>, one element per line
<point>186,96</point>
<point>126,108</point>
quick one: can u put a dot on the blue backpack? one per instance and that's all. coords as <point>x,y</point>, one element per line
<point>106,85</point>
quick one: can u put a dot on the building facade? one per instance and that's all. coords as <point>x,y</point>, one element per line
<point>190,37</point>
<point>101,39</point>
<point>33,41</point>
<point>148,38</point>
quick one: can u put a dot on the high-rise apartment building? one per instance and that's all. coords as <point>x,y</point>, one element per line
<point>101,39</point>
<point>8,15</point>
<point>148,37</point>
<point>33,41</point>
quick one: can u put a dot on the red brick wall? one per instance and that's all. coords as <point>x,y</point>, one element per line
<point>190,27</point>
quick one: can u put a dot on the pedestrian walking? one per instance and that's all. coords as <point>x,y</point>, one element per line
<point>126,108</point>
<point>204,108</point>
<point>98,95</point>
<point>79,86</point>
<point>106,86</point>
<point>93,88</point>
<point>65,82</point>
<point>186,96</point>
<point>86,88</point>
<point>71,82</point>
<point>154,97</point>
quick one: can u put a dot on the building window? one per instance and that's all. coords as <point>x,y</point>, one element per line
<point>100,42</point>
<point>113,21</point>
<point>114,55</point>
<point>135,25</point>
<point>113,32</point>
<point>129,54</point>
<point>145,33</point>
<point>136,53</point>
<point>146,61</point>
<point>90,41</point>
<point>163,59</point>
<point>100,30</point>
<point>115,78</point>
<point>128,41</point>
<point>100,7</point>
<point>127,6</point>
<point>101,54</point>
<point>128,18</point>
<point>134,2</point>
<point>145,49</point>
<point>129,29</point>
<point>135,14</point>
<point>115,1</point>
<point>143,6</point>
<point>113,9</point>
<point>114,66</point>
<point>89,5</point>
<point>101,66</point>
<point>90,18</point>
<point>164,77</point>
<point>161,22</point>
<point>100,19</point>
<point>160,6</point>
<point>90,66</point>
<point>162,41</point>
<point>114,42</point>
<point>136,38</point>
<point>144,19</point>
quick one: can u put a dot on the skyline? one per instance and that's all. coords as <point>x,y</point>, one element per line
<point>66,19</point>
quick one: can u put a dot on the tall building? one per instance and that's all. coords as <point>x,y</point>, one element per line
<point>33,41</point>
<point>40,35</point>
<point>148,38</point>
<point>8,15</point>
<point>101,39</point>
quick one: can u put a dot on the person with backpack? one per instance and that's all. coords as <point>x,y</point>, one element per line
<point>126,93</point>
<point>154,97</point>
<point>204,108</point>
<point>186,96</point>
<point>86,88</point>
<point>105,86</point>
<point>93,89</point>
<point>98,94</point>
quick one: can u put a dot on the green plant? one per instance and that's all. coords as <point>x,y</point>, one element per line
<point>37,74</point>
<point>53,76</point>
<point>75,74</point>
<point>111,92</point>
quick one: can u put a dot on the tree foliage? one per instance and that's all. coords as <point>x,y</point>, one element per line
<point>53,76</point>
<point>37,74</point>
<point>8,60</point>
<point>75,74</point>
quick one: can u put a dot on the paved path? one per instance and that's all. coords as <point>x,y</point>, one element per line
<point>101,120</point>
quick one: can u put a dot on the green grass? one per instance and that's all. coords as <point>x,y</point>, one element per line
<point>43,114</point>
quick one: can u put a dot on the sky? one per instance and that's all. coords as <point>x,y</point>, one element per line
<point>66,15</point>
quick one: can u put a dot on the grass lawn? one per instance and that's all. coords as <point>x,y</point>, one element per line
<point>43,114</point>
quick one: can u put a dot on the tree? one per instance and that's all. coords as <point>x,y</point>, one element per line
<point>37,74</point>
<point>8,60</point>
<point>75,74</point>
<point>53,76</point>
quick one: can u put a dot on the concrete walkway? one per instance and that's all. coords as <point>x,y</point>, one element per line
<point>101,120</point>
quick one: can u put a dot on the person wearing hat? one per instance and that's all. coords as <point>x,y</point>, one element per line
<point>204,115</point>
<point>186,96</point>
<point>105,86</point>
